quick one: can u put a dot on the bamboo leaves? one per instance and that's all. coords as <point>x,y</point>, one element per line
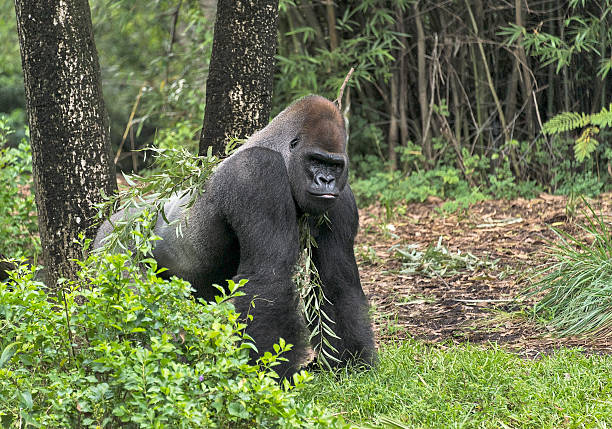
<point>313,299</point>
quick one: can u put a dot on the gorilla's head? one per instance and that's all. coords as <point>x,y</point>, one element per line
<point>311,137</point>
<point>316,159</point>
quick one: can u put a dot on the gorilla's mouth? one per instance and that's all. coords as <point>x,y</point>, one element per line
<point>324,196</point>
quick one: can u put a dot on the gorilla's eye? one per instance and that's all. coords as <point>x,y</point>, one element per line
<point>294,142</point>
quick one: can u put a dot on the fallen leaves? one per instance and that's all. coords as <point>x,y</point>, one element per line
<point>463,302</point>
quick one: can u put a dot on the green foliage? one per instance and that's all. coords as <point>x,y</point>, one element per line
<point>421,385</point>
<point>590,123</point>
<point>395,187</point>
<point>12,97</point>
<point>159,47</point>
<point>577,282</point>
<point>366,45</point>
<point>18,220</point>
<point>306,63</point>
<point>183,134</point>
<point>502,184</point>
<point>178,173</point>
<point>120,347</point>
<point>584,183</point>
<point>585,30</point>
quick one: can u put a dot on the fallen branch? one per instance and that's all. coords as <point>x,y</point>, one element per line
<point>478,301</point>
<point>341,93</point>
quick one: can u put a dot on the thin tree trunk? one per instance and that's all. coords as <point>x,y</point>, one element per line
<point>457,107</point>
<point>331,24</point>
<point>500,112</point>
<point>565,81</point>
<point>511,91</point>
<point>599,100</point>
<point>480,97</point>
<point>393,122</point>
<point>552,79</point>
<point>403,80</point>
<point>527,80</point>
<point>68,125</point>
<point>422,84</point>
<point>240,80</point>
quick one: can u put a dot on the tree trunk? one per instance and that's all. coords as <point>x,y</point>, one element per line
<point>331,24</point>
<point>403,78</point>
<point>422,85</point>
<point>240,80</point>
<point>393,121</point>
<point>527,81</point>
<point>68,125</point>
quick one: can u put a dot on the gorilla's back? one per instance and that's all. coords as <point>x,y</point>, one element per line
<point>206,253</point>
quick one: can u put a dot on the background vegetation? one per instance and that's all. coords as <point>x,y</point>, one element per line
<point>448,98</point>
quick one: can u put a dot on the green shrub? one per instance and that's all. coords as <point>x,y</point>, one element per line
<point>18,220</point>
<point>392,187</point>
<point>577,283</point>
<point>121,347</point>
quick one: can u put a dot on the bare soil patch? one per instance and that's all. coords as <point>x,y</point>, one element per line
<point>481,306</point>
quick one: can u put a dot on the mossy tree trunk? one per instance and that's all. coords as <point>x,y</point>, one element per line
<point>68,125</point>
<point>240,79</point>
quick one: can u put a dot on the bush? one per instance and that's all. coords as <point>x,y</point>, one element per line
<point>121,347</point>
<point>18,220</point>
<point>395,187</point>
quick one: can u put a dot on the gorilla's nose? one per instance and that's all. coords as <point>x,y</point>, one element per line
<point>324,180</point>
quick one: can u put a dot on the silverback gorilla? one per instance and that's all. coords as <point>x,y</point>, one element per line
<point>245,226</point>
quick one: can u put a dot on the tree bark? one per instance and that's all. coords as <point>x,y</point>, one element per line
<point>68,125</point>
<point>240,80</point>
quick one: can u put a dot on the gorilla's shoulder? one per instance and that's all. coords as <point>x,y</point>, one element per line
<point>254,162</point>
<point>251,172</point>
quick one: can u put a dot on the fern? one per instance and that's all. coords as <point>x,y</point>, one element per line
<point>566,121</point>
<point>603,119</point>
<point>586,143</point>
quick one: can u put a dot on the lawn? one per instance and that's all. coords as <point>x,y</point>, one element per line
<point>422,385</point>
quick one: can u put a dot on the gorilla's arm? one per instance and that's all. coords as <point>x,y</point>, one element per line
<point>259,208</point>
<point>334,258</point>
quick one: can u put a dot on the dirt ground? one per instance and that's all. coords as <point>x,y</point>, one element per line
<point>484,304</point>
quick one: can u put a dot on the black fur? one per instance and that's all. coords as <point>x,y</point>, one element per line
<point>245,225</point>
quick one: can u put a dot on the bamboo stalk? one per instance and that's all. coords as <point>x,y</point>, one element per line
<point>422,86</point>
<point>129,123</point>
<point>500,111</point>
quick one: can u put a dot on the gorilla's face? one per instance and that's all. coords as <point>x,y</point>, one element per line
<point>318,166</point>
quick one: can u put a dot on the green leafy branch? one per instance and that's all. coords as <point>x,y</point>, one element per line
<point>590,124</point>
<point>308,283</point>
<point>183,174</point>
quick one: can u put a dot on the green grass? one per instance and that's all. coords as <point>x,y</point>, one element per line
<point>577,283</point>
<point>424,386</point>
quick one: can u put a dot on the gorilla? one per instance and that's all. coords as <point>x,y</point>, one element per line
<point>245,226</point>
